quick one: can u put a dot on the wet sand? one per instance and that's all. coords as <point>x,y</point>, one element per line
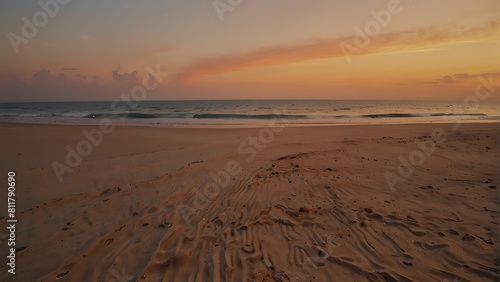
<point>312,204</point>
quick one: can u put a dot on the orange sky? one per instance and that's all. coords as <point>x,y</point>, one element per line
<point>257,50</point>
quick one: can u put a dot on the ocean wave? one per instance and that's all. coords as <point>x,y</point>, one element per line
<point>388,115</point>
<point>123,115</point>
<point>407,115</point>
<point>241,116</point>
<point>442,115</point>
<point>140,115</point>
<point>226,116</point>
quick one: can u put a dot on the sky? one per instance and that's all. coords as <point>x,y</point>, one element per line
<point>68,50</point>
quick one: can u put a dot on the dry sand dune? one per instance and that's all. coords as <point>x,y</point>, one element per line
<point>313,205</point>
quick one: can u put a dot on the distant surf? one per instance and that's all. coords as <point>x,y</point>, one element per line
<point>403,115</point>
<point>250,112</point>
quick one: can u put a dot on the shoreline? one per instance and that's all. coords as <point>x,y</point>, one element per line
<point>158,123</point>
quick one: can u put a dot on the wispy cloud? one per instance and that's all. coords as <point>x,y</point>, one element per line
<point>454,78</point>
<point>418,40</point>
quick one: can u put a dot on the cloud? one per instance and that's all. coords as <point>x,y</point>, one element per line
<point>468,76</point>
<point>462,76</point>
<point>41,76</point>
<point>45,85</point>
<point>128,78</point>
<point>447,78</point>
<point>455,78</point>
<point>414,39</point>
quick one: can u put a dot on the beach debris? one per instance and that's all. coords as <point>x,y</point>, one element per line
<point>165,224</point>
<point>109,241</point>
<point>284,222</point>
<point>489,242</point>
<point>468,237</point>
<point>168,262</point>
<point>62,274</point>
<point>248,248</point>
<point>291,157</point>
<point>195,162</point>
<point>387,276</point>
<point>281,276</point>
<point>20,249</point>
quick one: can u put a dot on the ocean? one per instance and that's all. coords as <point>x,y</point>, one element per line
<point>250,112</point>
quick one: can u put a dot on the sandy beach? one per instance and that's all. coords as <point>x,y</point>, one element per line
<point>328,203</point>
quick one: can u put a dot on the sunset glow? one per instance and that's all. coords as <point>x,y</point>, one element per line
<point>256,50</point>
